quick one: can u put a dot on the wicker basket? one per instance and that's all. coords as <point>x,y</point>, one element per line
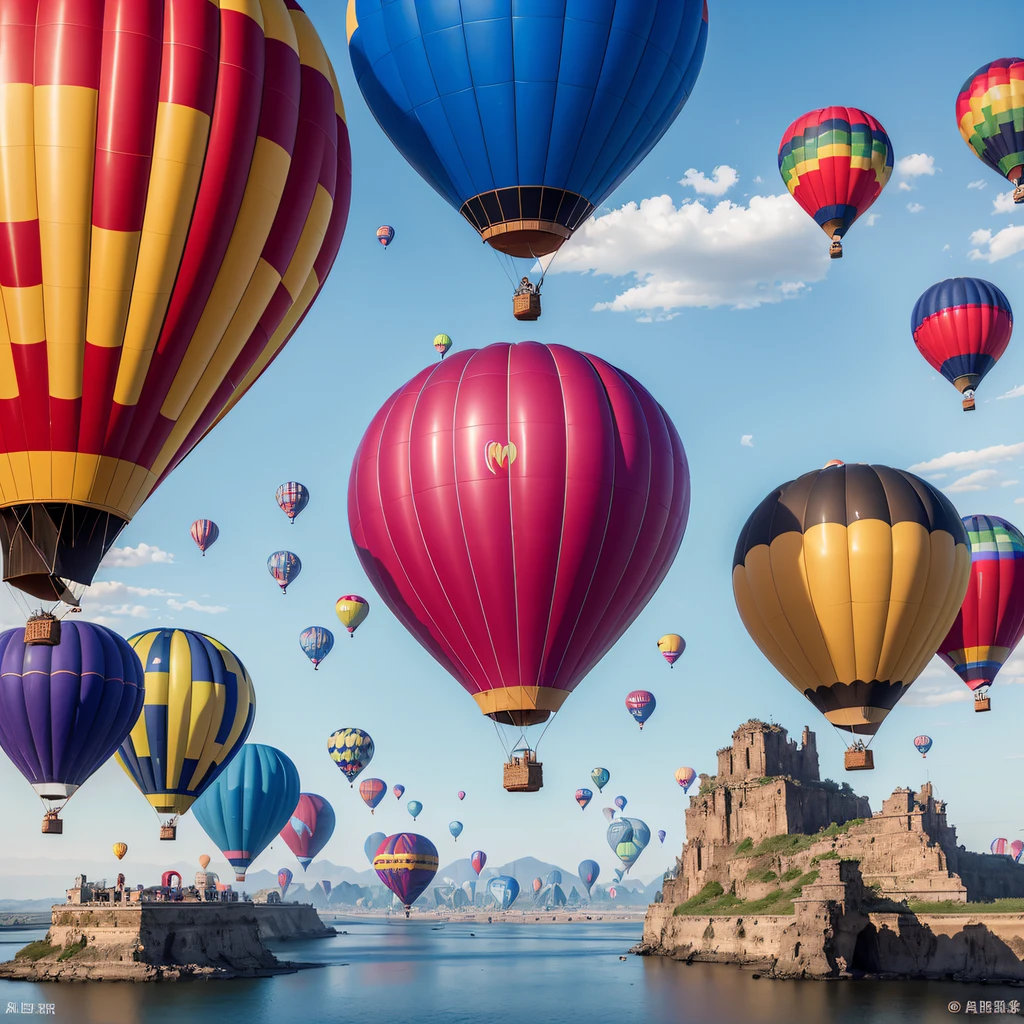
<point>52,825</point>
<point>168,831</point>
<point>835,250</point>
<point>523,776</point>
<point>859,761</point>
<point>526,306</point>
<point>43,629</point>
<point>982,703</point>
<point>968,404</point>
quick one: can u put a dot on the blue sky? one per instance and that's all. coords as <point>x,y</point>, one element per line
<point>818,363</point>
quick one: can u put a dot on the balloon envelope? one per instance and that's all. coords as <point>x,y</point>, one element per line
<point>589,870</point>
<point>351,750</point>
<point>293,497</point>
<point>284,880</point>
<point>372,791</point>
<point>385,235</point>
<point>620,831</point>
<point>406,863</point>
<point>600,778</point>
<point>352,611</point>
<point>398,791</point>
<point>120,849</point>
<point>440,520</point>
<point>205,533</point>
<point>504,890</point>
<point>609,813</point>
<point>249,803</point>
<point>620,802</point>
<point>502,144</point>
<point>461,794</point>
<point>442,343</point>
<point>200,711</point>
<point>1017,849</point>
<point>478,859</point>
<point>671,646</point>
<point>309,828</point>
<point>631,846</point>
<point>372,845</point>
<point>612,892</point>
<point>204,861</point>
<point>537,885</point>
<point>923,744</point>
<point>641,704</point>
<point>990,115</point>
<point>841,554</point>
<point>661,836</point>
<point>1000,846</point>
<point>65,709</point>
<point>316,643</point>
<point>685,777</point>
<point>583,797</point>
<point>455,827</point>
<point>284,566</point>
<point>414,807</point>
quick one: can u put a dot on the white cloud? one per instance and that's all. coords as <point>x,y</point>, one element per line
<point>872,219</point>
<point>999,246</point>
<point>1009,483</point>
<point>1003,203</point>
<point>937,476</point>
<point>970,458</point>
<point>977,183</point>
<point>112,590</point>
<point>195,606</point>
<point>143,554</point>
<point>722,179</point>
<point>905,186</point>
<point>914,207</point>
<point>976,481</point>
<point>1018,501</point>
<point>926,695</point>
<point>1013,671</point>
<point>915,165</point>
<point>747,440</point>
<point>1012,393</point>
<point>758,180</point>
<point>945,248</point>
<point>695,256</point>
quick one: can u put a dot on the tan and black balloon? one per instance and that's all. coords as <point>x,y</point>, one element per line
<point>847,579</point>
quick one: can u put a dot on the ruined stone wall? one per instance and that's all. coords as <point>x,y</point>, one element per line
<point>759,749</point>
<point>989,877</point>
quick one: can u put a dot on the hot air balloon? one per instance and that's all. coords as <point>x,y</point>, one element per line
<point>351,750</point>
<point>249,803</point>
<point>284,881</point>
<point>326,885</point>
<point>661,836</point>
<point>641,704</point>
<point>455,827</point>
<point>372,845</point>
<point>537,885</point>
<point>284,566</point>
<point>588,872</point>
<point>504,890</point>
<point>962,326</point>
<point>406,863</point>
<point>461,794</point>
<point>398,791</point>
<point>293,497</point>
<point>923,744</point>
<point>310,828</point>
<point>543,443</point>
<point>608,812</point>
<point>120,849</point>
<point>352,610</point>
<point>612,892</point>
<point>835,162</point>
<point>316,643</point>
<point>671,646</point>
<point>205,533</point>
<point>844,579</point>
<point>620,802</point>
<point>553,878</point>
<point>372,791</point>
<point>632,842</point>
<point>172,214</point>
<point>619,832</point>
<point>414,807</point>
<point>199,711</point>
<point>478,859</point>
<point>685,777</point>
<point>65,708</point>
<point>204,860</point>
<point>990,622</point>
<point>583,797</point>
<point>442,343</point>
<point>990,116</point>
<point>503,146</point>
<point>600,777</point>
<point>385,235</point>
<point>1017,850</point>
<point>1000,846</point>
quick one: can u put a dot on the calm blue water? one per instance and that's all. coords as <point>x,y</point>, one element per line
<point>406,973</point>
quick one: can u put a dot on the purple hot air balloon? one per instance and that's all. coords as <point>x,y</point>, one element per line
<point>398,791</point>
<point>64,710</point>
<point>620,802</point>
<point>661,835</point>
<point>406,863</point>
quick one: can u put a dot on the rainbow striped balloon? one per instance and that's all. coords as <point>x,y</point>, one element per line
<point>990,116</point>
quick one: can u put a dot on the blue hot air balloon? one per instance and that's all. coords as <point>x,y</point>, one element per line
<point>284,566</point>
<point>600,777</point>
<point>661,836</point>
<point>249,803</point>
<point>620,802</point>
<point>619,874</point>
<point>629,848</point>
<point>525,117</point>
<point>372,845</point>
<point>588,872</point>
<point>504,889</point>
<point>620,831</point>
<point>414,807</point>
<point>316,643</point>
<point>553,878</point>
<point>455,827</point>
<point>284,880</point>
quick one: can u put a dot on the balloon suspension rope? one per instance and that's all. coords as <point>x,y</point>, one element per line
<point>857,738</point>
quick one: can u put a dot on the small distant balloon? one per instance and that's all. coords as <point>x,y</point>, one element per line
<point>620,802</point>
<point>478,859</point>
<point>461,794</point>
<point>316,643</point>
<point>120,849</point>
<point>612,892</point>
<point>600,777</point>
<point>284,881</point>
<point>352,610</point>
<point>923,744</point>
<point>372,791</point>
<point>385,235</point>
<point>398,791</point>
<point>671,646</point>
<point>583,797</point>
<point>442,343</point>
<point>661,836</point>
<point>372,844</point>
<point>1000,846</point>
<point>588,872</point>
<point>293,497</point>
<point>641,704</point>
<point>455,827</point>
<point>685,777</point>
<point>414,807</point>
<point>537,885</point>
<point>351,750</point>
<point>205,533</point>
<point>1017,850</point>
<point>204,860</point>
<point>285,567</point>
<point>609,813</point>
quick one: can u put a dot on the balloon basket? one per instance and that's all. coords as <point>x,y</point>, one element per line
<point>52,825</point>
<point>859,761</point>
<point>982,703</point>
<point>835,250</point>
<point>522,776</point>
<point>968,404</point>
<point>1018,193</point>
<point>168,832</point>
<point>526,306</point>
<point>43,629</point>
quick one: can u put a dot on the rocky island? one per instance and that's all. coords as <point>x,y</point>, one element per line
<point>163,933</point>
<point>796,876</point>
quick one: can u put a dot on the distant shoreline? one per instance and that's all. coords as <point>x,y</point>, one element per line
<point>507,917</point>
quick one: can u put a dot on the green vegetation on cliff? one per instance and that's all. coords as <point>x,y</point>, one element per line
<point>73,950</point>
<point>35,951</point>
<point>1006,906</point>
<point>795,842</point>
<point>713,899</point>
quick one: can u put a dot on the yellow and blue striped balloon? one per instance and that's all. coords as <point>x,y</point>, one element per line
<point>199,709</point>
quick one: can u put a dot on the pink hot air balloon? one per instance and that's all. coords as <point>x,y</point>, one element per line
<point>1000,846</point>
<point>461,794</point>
<point>1016,849</point>
<point>516,507</point>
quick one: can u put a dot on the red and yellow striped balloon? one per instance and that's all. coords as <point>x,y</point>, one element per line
<point>174,185</point>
